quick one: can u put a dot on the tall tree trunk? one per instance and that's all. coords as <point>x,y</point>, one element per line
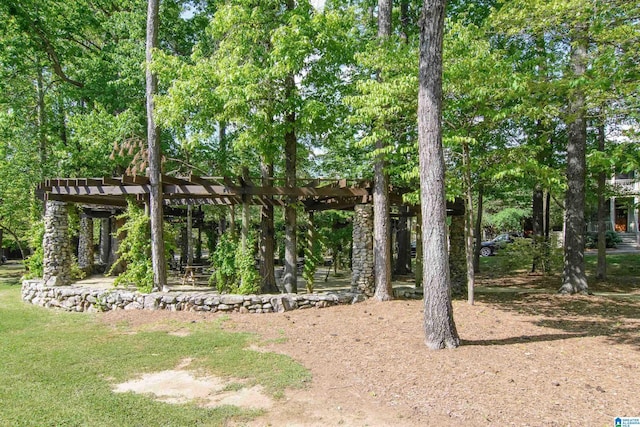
<point>105,241</point>
<point>468,223</point>
<point>419,251</point>
<point>601,271</point>
<point>267,233</point>
<point>478,230</point>
<point>155,168</point>
<point>244,235</point>
<point>574,278</point>
<point>290,279</point>
<point>403,258</point>
<point>42,122</point>
<point>404,20</point>
<point>439,327</point>
<point>381,220</point>
<point>189,235</point>
<point>457,256</point>
<point>537,219</point>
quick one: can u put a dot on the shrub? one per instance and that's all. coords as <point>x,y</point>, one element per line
<point>612,239</point>
<point>35,263</point>
<point>521,254</point>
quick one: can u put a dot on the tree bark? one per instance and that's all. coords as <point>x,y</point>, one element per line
<point>290,280</point>
<point>601,270</point>
<point>478,230</point>
<point>457,256</point>
<point>419,251</point>
<point>381,220</point>
<point>468,224</point>
<point>537,217</point>
<point>574,279</point>
<point>42,122</point>
<point>189,235</point>
<point>439,327</point>
<point>267,233</point>
<point>155,168</point>
<point>403,258</point>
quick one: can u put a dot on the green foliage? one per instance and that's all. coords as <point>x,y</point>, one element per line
<point>234,269</point>
<point>509,219</point>
<point>34,264</point>
<point>612,239</point>
<point>135,249</point>
<point>522,253</point>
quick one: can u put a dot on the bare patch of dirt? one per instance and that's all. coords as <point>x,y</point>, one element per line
<point>182,386</point>
<point>527,357</point>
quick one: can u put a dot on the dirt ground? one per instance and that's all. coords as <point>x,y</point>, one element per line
<point>527,357</point>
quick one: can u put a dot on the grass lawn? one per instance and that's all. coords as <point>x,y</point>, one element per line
<point>58,368</point>
<point>619,265</point>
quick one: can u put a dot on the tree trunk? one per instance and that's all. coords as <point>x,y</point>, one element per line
<point>439,327</point>
<point>267,233</point>
<point>244,235</point>
<point>381,244</point>
<point>468,224</point>
<point>404,20</point>
<point>155,168</point>
<point>574,279</point>
<point>403,258</point>
<point>189,235</point>
<point>85,245</point>
<point>478,230</point>
<point>42,122</point>
<point>105,241</point>
<point>457,255</point>
<point>601,270</point>
<point>419,251</point>
<point>290,280</point>
<point>537,219</point>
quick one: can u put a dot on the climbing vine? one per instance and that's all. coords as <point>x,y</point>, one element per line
<point>134,251</point>
<point>234,269</point>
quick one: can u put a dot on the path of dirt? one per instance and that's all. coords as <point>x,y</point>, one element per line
<point>528,358</point>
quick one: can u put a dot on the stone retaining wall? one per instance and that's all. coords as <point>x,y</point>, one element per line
<point>72,298</point>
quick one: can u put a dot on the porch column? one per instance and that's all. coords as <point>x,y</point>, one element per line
<point>362,279</point>
<point>85,245</point>
<point>56,262</point>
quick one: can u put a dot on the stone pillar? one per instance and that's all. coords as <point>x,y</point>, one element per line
<point>362,279</point>
<point>85,245</point>
<point>56,262</point>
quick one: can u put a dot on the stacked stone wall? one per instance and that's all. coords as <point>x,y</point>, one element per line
<point>80,299</point>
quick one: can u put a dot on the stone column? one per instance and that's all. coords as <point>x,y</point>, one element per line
<point>85,245</point>
<point>362,279</point>
<point>57,249</point>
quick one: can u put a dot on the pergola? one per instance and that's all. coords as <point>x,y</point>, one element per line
<point>100,196</point>
<point>315,194</point>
